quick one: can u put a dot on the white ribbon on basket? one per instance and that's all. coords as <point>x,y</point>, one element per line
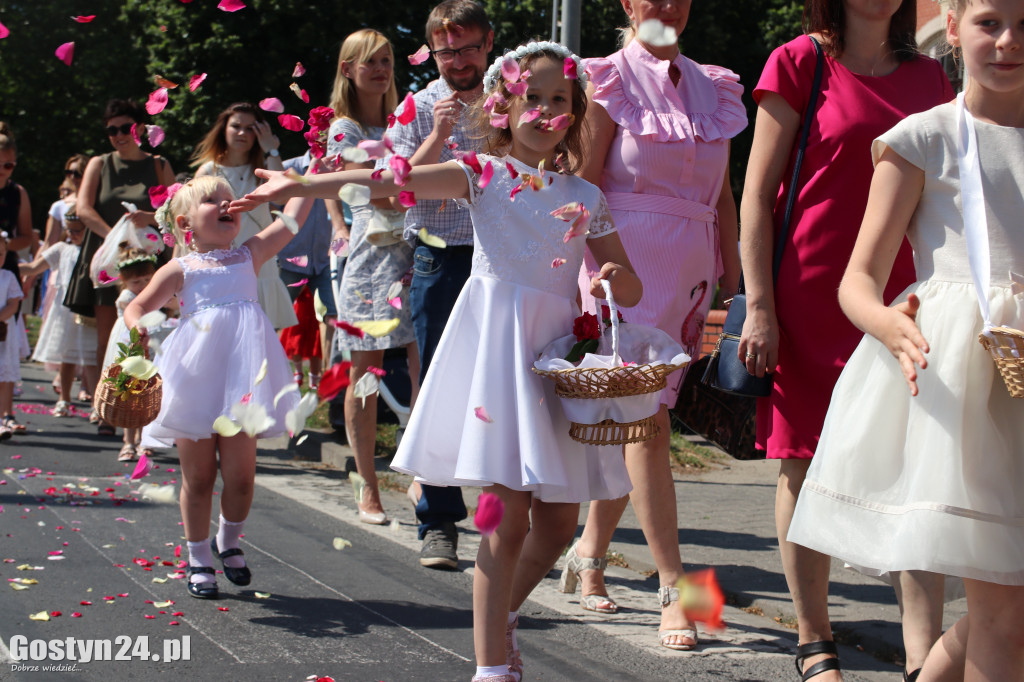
<point>613,311</point>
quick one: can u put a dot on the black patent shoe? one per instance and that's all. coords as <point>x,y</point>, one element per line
<point>239,576</point>
<point>201,590</point>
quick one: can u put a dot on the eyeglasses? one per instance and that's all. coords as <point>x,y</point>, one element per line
<point>449,55</point>
<point>124,129</point>
<point>71,173</point>
<point>9,165</point>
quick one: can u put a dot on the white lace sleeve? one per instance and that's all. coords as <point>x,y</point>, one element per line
<point>472,177</point>
<point>601,222</point>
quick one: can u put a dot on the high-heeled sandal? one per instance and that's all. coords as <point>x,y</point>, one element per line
<point>574,564</point>
<point>666,595</point>
<point>911,677</point>
<point>813,649</point>
<point>513,659</point>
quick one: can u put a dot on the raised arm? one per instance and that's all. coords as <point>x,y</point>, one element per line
<point>165,284</point>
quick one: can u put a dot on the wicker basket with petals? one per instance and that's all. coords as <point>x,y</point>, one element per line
<point>1006,346</point>
<point>130,397</point>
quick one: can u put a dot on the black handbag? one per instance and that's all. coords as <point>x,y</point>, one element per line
<point>725,371</point>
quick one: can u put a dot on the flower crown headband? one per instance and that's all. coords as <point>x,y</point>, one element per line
<point>138,259</point>
<point>163,215</point>
<point>576,71</point>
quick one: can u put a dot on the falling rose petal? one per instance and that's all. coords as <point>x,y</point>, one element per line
<point>334,380</point>
<point>155,135</point>
<point>469,158</point>
<point>66,52</point>
<point>421,55</point>
<point>489,511</point>
<point>558,262</point>
<point>481,414</point>
<point>299,71</point>
<point>395,290</point>
<point>499,121</point>
<point>349,328</point>
<point>83,19</point>
<point>701,598</point>
<point>376,149</point>
<point>560,122</point>
<point>568,212</point>
<point>656,34</point>
<point>431,240</point>
<point>529,115</point>
<point>569,68</point>
<point>291,174</point>
<point>157,101</point>
<point>512,172</point>
<point>301,282</point>
<point>164,83</point>
<point>252,417</point>
<point>407,199</point>
<point>355,154</point>
<point>378,328</point>
<point>4,32</point>
<point>289,222</point>
<point>408,110</point>
<point>230,5</point>
<point>377,371</point>
<point>367,385</point>
<point>401,167</point>
<point>272,104</point>
<point>510,69</point>
<point>518,89</point>
<point>223,426</point>
<point>141,469</point>
<point>135,134</point>
<point>341,543</point>
<point>295,419</point>
<point>299,92</point>
<point>158,195</point>
<point>354,195</point>
<point>261,374</point>
<point>299,261</point>
<point>151,320</point>
<point>105,278</point>
<point>291,122</point>
<point>485,176</point>
<point>195,81</point>
<point>139,367</point>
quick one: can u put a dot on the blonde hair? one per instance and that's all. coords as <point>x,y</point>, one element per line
<point>190,195</point>
<point>7,139</point>
<point>360,47</point>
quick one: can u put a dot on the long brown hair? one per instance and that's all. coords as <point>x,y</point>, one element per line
<point>215,145</point>
<point>828,17</point>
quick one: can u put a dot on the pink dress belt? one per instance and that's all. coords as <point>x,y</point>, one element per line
<point>659,203</point>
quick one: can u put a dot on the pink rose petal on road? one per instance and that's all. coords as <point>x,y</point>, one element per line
<point>569,68</point>
<point>485,176</point>
<point>65,52</point>
<point>195,81</point>
<point>290,122</point>
<point>489,511</point>
<point>528,116</point>
<point>141,469</point>
<point>157,101</point>
<point>230,5</point>
<point>155,134</point>
<point>510,70</point>
<point>272,104</point>
<point>301,282</point>
<point>401,168</point>
<point>407,199</point>
<point>408,110</point>
<point>481,414</point>
<point>299,71</point>
<point>299,261</point>
<point>421,55</point>
<point>84,19</point>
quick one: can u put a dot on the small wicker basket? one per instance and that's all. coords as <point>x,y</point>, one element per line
<point>130,410</point>
<point>1006,346</point>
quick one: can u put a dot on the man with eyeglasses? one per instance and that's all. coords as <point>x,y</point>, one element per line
<point>460,37</point>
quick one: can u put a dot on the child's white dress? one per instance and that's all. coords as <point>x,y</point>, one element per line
<point>10,360</point>
<point>514,303</point>
<point>60,338</point>
<point>119,332</point>
<point>932,482</point>
<point>212,360</point>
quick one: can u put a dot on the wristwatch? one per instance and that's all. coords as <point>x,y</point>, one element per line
<point>273,152</point>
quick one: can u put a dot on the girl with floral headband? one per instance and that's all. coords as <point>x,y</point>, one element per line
<point>483,418</point>
<point>135,268</point>
<point>226,380</point>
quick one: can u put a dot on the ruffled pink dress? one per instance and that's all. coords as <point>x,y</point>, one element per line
<point>662,179</point>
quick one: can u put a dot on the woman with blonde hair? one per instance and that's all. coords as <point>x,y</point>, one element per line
<point>230,151</point>
<point>364,95</point>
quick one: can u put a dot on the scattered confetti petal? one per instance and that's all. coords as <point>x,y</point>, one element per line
<point>65,52</point>
<point>408,112</point>
<point>42,615</point>
<point>272,104</point>
<point>334,380</point>
<point>225,427</point>
<point>298,261</point>
<point>262,595</point>
<point>701,598</point>
<point>262,373</point>
<point>407,199</point>
<point>341,543</point>
<point>157,101</point>
<point>421,55</point>
<point>289,222</point>
<point>84,19</point>
<point>558,262</point>
<point>141,469</point>
<point>378,328</point>
<point>230,5</point>
<point>291,122</point>
<point>431,240</point>
<point>299,71</point>
<point>195,81</point>
<point>155,135</point>
<point>569,68</point>
<point>489,511</point>
<point>354,194</point>
<point>481,414</point>
<point>529,115</point>
<point>656,34</point>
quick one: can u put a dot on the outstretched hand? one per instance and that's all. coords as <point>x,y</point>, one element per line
<point>898,331</point>
<point>277,188</point>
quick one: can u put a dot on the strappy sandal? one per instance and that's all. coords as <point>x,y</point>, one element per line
<point>513,659</point>
<point>314,381</point>
<point>574,564</point>
<point>127,453</point>
<point>201,590</point>
<point>241,576</point>
<point>813,649</point>
<point>666,595</point>
<point>13,424</point>
<point>911,677</point>
<point>61,409</point>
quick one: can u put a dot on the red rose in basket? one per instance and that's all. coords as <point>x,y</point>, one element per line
<point>587,330</point>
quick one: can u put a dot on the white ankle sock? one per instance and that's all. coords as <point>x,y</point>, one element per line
<point>200,554</point>
<point>227,538</point>
<point>491,670</point>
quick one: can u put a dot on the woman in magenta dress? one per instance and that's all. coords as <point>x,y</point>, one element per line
<point>872,78</point>
<point>660,130</point>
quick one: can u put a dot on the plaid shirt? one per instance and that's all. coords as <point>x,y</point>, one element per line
<point>452,224</point>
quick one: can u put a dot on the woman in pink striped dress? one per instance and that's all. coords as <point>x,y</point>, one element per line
<point>660,127</point>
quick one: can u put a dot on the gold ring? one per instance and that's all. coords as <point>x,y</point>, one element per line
<point>751,356</point>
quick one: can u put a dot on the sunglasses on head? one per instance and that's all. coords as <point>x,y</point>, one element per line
<point>9,165</point>
<point>71,173</point>
<point>124,129</point>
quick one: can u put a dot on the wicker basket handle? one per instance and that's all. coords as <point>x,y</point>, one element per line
<point>613,312</point>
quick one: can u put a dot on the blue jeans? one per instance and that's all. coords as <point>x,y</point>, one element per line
<point>437,279</point>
